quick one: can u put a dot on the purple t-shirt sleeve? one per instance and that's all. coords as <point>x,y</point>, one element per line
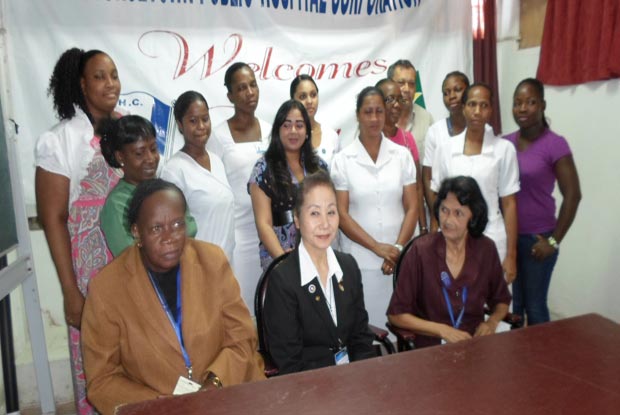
<point>535,203</point>
<point>558,148</point>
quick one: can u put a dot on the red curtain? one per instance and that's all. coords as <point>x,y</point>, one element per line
<point>581,42</point>
<point>485,52</point>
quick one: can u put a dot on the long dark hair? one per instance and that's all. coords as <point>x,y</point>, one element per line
<point>275,155</point>
<point>65,87</point>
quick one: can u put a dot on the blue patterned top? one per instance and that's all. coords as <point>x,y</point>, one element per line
<point>286,234</point>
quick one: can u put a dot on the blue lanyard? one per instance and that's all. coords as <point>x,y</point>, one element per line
<point>445,280</point>
<point>178,323</point>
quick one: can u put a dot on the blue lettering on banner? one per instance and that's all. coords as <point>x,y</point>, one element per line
<point>385,6</point>
<point>338,7</point>
<point>233,3</point>
<point>347,6</point>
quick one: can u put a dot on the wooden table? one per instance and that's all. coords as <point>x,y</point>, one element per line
<point>569,366</point>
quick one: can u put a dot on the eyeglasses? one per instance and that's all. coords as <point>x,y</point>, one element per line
<point>391,100</point>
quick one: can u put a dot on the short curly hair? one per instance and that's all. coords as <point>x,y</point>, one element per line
<point>143,191</point>
<point>125,130</point>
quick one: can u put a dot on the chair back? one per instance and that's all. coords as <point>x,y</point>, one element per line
<point>401,259</point>
<point>259,301</point>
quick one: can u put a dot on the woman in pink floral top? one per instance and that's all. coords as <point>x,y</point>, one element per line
<point>72,181</point>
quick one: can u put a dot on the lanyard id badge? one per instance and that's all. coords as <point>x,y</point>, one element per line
<point>445,280</point>
<point>185,385</point>
<point>176,324</point>
<point>341,357</point>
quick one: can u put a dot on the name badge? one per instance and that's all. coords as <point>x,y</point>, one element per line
<point>341,357</point>
<point>185,385</point>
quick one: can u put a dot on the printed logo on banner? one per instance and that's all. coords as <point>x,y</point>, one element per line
<point>158,112</point>
<point>161,114</point>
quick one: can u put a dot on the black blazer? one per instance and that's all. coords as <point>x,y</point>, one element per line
<point>301,334</point>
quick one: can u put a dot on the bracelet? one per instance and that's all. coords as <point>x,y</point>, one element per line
<point>423,229</point>
<point>399,247</point>
<point>553,243</point>
<point>214,379</point>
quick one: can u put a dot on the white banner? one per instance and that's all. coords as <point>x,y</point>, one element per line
<point>164,47</point>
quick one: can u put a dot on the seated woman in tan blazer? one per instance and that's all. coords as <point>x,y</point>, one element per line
<point>165,317</point>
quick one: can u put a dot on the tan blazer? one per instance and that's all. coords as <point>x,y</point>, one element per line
<point>130,349</point>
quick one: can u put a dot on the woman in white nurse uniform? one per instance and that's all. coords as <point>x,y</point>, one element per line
<point>200,174</point>
<point>239,142</point>
<point>375,182</point>
<point>492,161</point>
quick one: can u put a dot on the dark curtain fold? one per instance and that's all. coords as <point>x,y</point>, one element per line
<point>581,42</point>
<point>485,55</point>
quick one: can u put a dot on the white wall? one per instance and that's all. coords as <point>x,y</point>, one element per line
<point>587,276</point>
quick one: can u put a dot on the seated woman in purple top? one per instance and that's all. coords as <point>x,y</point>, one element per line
<point>447,278</point>
<point>543,157</point>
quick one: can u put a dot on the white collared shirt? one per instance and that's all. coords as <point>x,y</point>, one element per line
<point>435,137</point>
<point>209,198</point>
<point>495,169</point>
<point>239,160</point>
<point>375,193</point>
<point>309,272</point>
<point>418,125</point>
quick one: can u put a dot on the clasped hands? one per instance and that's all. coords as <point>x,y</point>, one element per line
<point>452,335</point>
<point>390,255</point>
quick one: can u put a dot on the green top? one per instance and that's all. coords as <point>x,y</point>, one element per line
<point>114,218</point>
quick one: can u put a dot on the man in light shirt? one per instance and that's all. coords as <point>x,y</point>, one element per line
<point>414,118</point>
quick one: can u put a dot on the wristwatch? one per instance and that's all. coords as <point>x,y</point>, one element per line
<point>553,242</point>
<point>215,380</point>
<point>399,247</point>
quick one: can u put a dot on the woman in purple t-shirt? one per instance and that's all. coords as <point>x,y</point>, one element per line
<point>543,157</point>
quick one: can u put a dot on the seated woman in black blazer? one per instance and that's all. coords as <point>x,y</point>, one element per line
<point>314,312</point>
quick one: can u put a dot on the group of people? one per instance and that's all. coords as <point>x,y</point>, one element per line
<point>177,258</point>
